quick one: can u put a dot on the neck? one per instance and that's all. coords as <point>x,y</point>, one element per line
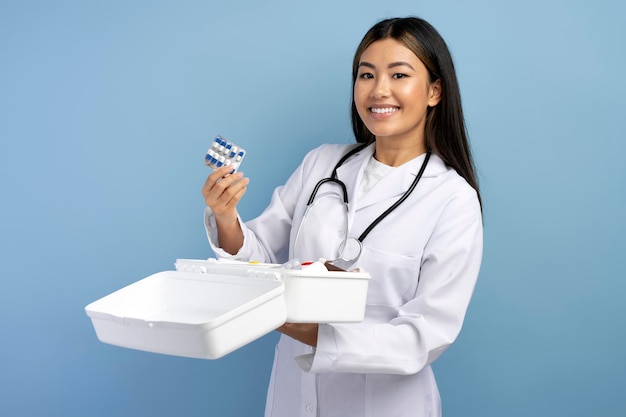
<point>396,154</point>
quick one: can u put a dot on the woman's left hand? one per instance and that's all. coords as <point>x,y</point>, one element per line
<point>302,332</point>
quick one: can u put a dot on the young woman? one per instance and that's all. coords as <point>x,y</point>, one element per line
<point>414,223</point>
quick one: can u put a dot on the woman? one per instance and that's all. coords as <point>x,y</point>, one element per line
<point>423,255</point>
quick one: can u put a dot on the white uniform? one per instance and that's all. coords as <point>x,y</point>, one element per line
<point>424,260</point>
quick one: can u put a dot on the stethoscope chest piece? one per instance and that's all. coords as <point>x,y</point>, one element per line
<point>350,249</point>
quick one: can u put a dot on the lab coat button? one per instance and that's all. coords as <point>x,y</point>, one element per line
<point>309,408</point>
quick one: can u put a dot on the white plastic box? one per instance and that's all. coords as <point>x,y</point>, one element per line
<point>207,308</point>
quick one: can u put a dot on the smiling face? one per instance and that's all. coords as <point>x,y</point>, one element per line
<point>392,93</point>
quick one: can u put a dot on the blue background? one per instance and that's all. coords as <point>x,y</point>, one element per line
<point>107,108</point>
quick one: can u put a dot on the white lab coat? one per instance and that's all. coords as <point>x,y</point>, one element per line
<point>424,260</point>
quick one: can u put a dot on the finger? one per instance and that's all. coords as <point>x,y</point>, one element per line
<point>233,194</point>
<point>223,201</point>
<point>227,187</point>
<point>215,177</point>
<point>216,186</point>
<point>225,210</point>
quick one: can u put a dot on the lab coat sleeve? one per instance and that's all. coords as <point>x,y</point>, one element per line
<point>265,238</point>
<point>427,324</point>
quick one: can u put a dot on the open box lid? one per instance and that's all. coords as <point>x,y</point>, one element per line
<point>186,299</point>
<point>189,314</point>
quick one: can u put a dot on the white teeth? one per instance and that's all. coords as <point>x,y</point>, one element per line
<point>384,110</point>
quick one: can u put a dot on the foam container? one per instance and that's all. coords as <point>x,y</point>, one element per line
<point>207,308</point>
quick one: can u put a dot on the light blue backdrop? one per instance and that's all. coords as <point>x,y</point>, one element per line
<point>107,108</point>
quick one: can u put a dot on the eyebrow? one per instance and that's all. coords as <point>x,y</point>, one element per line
<point>391,65</point>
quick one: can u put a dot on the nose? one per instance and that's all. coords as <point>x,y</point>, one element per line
<point>380,88</point>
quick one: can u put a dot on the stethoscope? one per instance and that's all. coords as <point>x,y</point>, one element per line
<point>350,249</point>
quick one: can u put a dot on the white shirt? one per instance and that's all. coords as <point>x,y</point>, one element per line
<point>424,260</point>
<point>373,173</point>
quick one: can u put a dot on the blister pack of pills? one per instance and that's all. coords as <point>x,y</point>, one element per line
<point>224,153</point>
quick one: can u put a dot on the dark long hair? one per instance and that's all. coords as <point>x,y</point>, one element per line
<point>445,131</point>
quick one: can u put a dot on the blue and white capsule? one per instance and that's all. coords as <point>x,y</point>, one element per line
<point>224,153</point>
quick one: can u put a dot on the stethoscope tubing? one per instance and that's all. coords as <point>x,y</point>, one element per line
<point>324,181</point>
<point>334,179</point>
<point>397,203</point>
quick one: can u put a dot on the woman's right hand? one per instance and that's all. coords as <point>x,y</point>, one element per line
<point>222,192</point>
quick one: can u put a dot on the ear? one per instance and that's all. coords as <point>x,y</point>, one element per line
<point>435,93</point>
